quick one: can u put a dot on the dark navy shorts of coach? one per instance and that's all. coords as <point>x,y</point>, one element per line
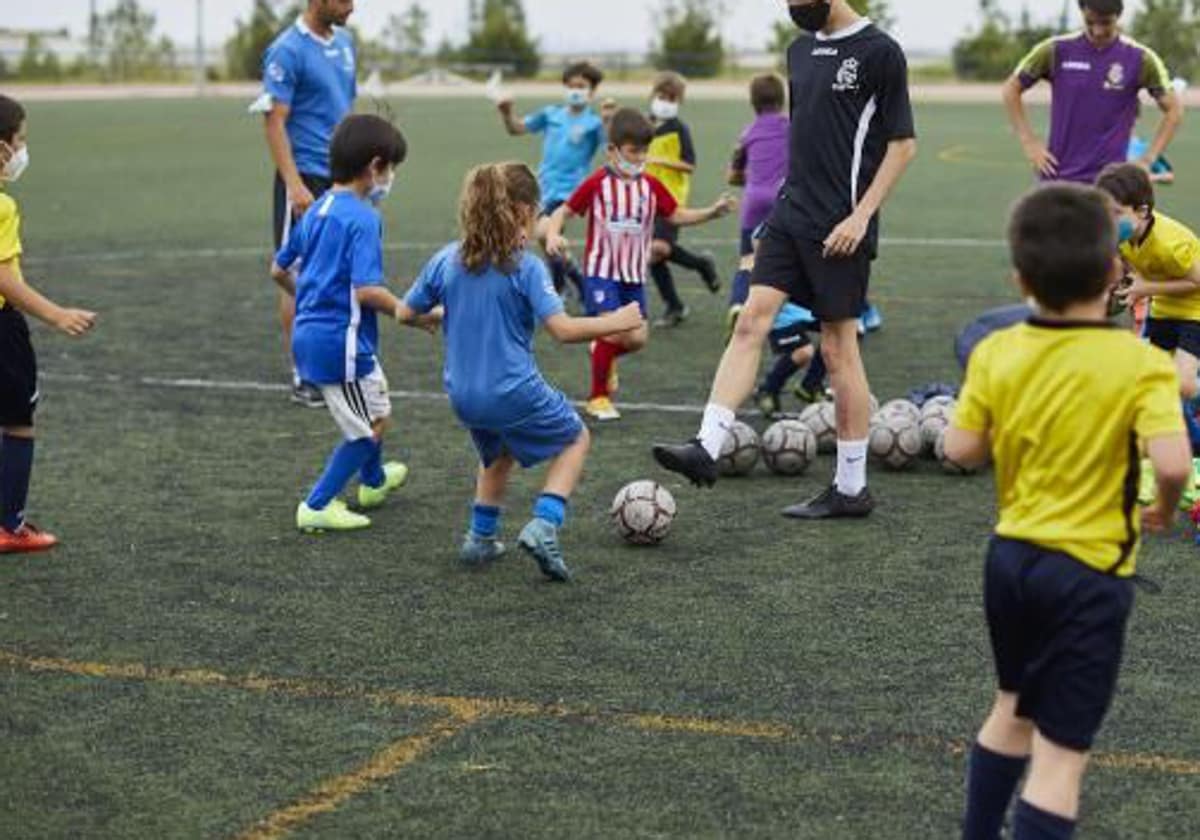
<point>1057,629</point>
<point>833,288</point>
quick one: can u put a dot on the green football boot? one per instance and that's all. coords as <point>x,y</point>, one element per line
<point>334,517</point>
<point>395,475</point>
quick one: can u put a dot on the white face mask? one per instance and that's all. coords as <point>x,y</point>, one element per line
<point>17,164</point>
<point>578,97</point>
<point>664,110</point>
<point>382,190</point>
<point>628,167</point>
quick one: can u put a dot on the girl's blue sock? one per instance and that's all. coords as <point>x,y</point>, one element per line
<point>346,460</point>
<point>551,508</point>
<point>991,780</point>
<point>372,473</point>
<point>739,291</point>
<point>485,520</point>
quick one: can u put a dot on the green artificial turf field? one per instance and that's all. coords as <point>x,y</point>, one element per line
<point>186,664</point>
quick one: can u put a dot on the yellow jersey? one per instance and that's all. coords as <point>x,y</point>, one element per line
<point>10,234</point>
<point>673,141</point>
<point>1067,406</point>
<point>1168,251</point>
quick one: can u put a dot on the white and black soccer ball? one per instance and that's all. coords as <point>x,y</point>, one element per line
<point>642,512</point>
<point>940,404</point>
<point>739,453</point>
<point>895,439</point>
<point>905,408</point>
<point>948,466</point>
<point>821,418</point>
<point>935,419</point>
<point>789,447</point>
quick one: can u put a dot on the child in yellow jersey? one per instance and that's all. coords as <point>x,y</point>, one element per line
<point>1063,404</point>
<point>18,364</point>
<point>1165,258</point>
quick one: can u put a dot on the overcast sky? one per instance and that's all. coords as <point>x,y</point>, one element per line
<point>563,25</point>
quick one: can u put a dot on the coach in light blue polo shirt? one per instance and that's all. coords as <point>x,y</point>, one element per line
<point>309,83</point>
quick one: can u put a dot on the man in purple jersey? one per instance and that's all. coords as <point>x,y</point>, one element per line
<point>1095,77</point>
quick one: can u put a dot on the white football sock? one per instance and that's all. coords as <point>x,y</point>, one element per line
<point>714,428</point>
<point>851,475</point>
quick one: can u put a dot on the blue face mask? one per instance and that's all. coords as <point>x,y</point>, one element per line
<point>1126,229</point>
<point>578,97</point>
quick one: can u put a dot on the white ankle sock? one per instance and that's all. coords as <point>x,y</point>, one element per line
<point>851,475</point>
<point>714,427</point>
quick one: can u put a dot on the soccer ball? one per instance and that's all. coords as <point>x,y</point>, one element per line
<point>643,512</point>
<point>948,466</point>
<point>822,420</point>
<point>895,439</point>
<point>935,419</point>
<point>903,407</point>
<point>939,404</point>
<point>788,447</point>
<point>739,453</point>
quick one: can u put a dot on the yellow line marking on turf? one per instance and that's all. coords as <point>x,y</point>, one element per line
<point>469,710</point>
<point>962,155</point>
<point>330,794</point>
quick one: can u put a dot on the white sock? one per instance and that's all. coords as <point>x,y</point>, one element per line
<point>714,428</point>
<point>851,475</point>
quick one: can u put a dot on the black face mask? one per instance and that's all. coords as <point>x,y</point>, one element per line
<point>811,18</point>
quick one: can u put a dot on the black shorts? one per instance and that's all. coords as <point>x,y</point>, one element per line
<point>789,339</point>
<point>665,231</point>
<point>283,219</point>
<point>1171,335</point>
<point>18,370</point>
<point>1058,630</point>
<point>834,289</point>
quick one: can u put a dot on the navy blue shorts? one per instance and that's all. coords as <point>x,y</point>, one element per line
<point>1058,631</point>
<point>549,429</point>
<point>1170,334</point>
<point>747,246</point>
<point>18,370</point>
<point>604,295</point>
<point>833,288</point>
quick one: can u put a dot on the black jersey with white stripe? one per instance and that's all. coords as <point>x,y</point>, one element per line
<point>849,99</point>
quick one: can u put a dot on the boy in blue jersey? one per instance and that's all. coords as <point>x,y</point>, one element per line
<point>494,295</point>
<point>340,288</point>
<point>574,133</point>
<point>309,86</point>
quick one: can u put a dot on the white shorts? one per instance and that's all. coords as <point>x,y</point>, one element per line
<point>357,406</point>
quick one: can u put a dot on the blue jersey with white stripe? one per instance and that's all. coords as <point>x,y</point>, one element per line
<point>315,78</point>
<point>339,245</point>
<point>792,314</point>
<point>490,320</point>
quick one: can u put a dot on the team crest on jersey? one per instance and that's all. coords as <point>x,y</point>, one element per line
<point>576,135</point>
<point>275,71</point>
<point>1115,78</point>
<point>847,75</point>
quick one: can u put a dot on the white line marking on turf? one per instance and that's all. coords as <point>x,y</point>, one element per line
<point>239,386</point>
<point>430,247</point>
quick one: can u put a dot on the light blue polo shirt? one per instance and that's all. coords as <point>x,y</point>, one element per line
<point>572,140</point>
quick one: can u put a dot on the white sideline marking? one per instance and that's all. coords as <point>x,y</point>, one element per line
<point>265,253</point>
<point>250,387</point>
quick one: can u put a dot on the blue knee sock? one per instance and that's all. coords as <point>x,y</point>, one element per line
<point>1032,823</point>
<point>814,377</point>
<point>485,520</point>
<point>372,473</point>
<point>780,373</point>
<point>991,780</point>
<point>551,508</point>
<point>346,460</point>
<point>16,466</point>
<point>740,289</point>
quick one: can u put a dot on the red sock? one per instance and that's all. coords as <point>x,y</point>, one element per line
<point>603,355</point>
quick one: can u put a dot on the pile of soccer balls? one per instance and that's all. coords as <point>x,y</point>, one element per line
<point>901,433</point>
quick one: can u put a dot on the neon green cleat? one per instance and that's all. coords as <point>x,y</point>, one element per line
<point>335,517</point>
<point>395,474</point>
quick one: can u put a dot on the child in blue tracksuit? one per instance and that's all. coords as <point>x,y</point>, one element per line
<point>494,294</point>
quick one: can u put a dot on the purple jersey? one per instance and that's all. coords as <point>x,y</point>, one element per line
<point>763,155</point>
<point>1094,98</point>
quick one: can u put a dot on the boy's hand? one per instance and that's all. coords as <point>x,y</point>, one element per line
<point>300,197</point>
<point>505,106</point>
<point>628,317</point>
<point>1134,292</point>
<point>725,205</point>
<point>74,322</point>
<point>557,246</point>
<point>846,237</point>
<point>1156,518</point>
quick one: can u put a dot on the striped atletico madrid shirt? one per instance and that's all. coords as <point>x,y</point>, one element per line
<point>621,214</point>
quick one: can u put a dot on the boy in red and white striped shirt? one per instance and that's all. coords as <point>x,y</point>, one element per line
<point>621,204</point>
